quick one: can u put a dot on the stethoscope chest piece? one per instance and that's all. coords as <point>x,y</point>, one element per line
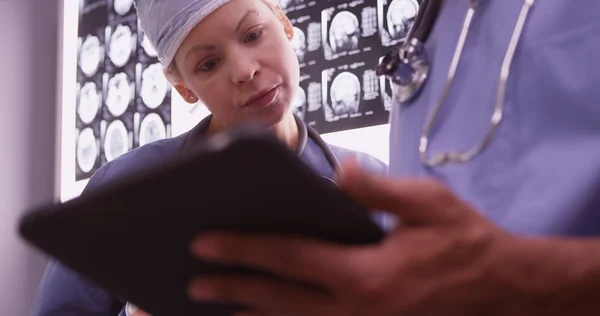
<point>412,73</point>
<point>408,68</point>
<point>407,65</point>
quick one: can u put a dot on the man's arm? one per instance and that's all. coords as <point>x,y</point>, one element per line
<point>556,276</point>
<point>445,259</point>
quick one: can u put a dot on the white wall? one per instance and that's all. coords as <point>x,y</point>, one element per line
<point>28,78</point>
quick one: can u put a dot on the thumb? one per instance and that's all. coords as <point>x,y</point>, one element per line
<point>415,201</point>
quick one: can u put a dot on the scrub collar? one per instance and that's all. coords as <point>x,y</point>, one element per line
<point>199,131</point>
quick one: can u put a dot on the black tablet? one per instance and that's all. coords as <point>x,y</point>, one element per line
<point>132,237</point>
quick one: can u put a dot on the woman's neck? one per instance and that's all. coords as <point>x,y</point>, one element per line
<point>287,131</point>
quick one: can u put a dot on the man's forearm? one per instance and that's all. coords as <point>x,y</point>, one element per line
<point>553,276</point>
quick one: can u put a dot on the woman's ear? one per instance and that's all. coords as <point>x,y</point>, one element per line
<point>188,95</point>
<point>287,24</point>
<point>288,28</point>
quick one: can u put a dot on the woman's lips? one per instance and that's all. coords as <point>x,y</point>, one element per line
<point>262,99</point>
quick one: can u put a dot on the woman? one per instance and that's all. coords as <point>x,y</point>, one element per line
<point>236,57</point>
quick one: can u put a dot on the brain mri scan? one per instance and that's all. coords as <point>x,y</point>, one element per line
<point>288,3</point>
<point>313,39</point>
<point>299,43</point>
<point>154,86</point>
<point>299,103</point>
<point>386,87</point>
<point>119,94</point>
<point>285,3</point>
<point>344,32</point>
<point>121,45</point>
<point>152,129</point>
<point>87,150</point>
<point>89,102</point>
<point>148,48</point>
<point>89,59</point>
<point>116,140</point>
<point>400,16</point>
<point>370,84</point>
<point>387,90</point>
<point>345,94</point>
<point>314,97</point>
<point>122,6</point>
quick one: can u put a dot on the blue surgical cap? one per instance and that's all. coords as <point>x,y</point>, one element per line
<point>167,23</point>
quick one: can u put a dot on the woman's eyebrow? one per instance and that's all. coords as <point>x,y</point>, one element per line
<point>246,15</point>
<point>211,47</point>
<point>197,48</point>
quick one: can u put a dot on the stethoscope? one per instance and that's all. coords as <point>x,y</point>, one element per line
<point>305,133</point>
<point>408,67</point>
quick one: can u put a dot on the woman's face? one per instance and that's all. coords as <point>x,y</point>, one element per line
<point>240,63</point>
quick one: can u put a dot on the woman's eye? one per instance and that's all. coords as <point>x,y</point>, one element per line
<point>208,65</point>
<point>252,36</point>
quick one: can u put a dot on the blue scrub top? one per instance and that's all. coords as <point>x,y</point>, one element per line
<point>540,175</point>
<point>64,292</point>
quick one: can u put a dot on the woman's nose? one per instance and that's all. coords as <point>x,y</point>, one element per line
<point>244,70</point>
